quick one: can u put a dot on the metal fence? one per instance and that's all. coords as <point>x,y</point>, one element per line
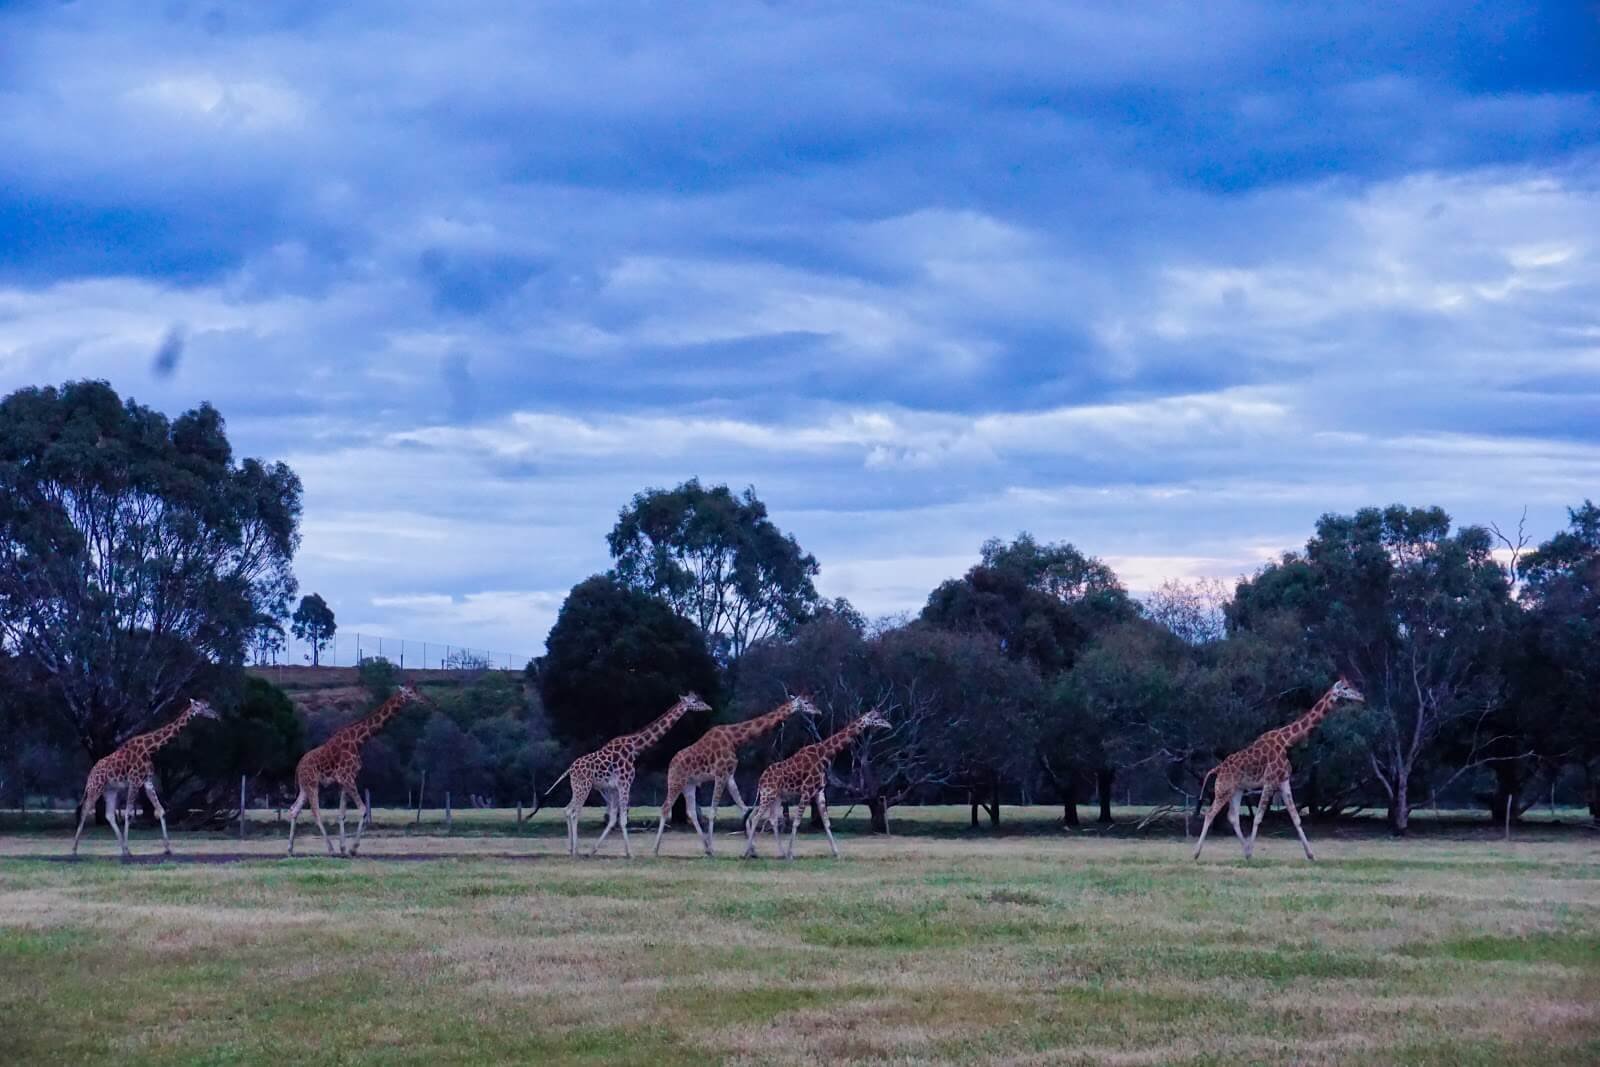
<point>351,649</point>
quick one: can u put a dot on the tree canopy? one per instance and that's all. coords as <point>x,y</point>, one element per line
<point>313,623</point>
<point>717,560</point>
<point>1416,614</point>
<point>617,658</point>
<point>134,550</point>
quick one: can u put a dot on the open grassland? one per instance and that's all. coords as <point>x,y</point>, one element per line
<point>930,946</point>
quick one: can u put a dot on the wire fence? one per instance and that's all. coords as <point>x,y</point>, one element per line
<point>352,649</point>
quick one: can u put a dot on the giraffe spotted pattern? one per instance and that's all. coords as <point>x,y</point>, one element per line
<point>130,767</point>
<point>714,758</point>
<point>1264,764</point>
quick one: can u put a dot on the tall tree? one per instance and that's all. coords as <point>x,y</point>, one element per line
<point>617,658</point>
<point>1419,616</point>
<point>134,551</point>
<point>313,622</point>
<point>1042,603</point>
<point>716,559</point>
<point>1556,669</point>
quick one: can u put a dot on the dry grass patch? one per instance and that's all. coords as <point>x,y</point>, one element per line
<point>913,949</point>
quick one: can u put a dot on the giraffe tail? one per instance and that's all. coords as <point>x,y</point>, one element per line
<point>1212,773</point>
<point>558,781</point>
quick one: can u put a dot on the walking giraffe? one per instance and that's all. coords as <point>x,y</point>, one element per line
<point>802,777</point>
<point>1264,764</point>
<point>609,768</point>
<point>125,770</point>
<point>713,759</point>
<point>337,761</point>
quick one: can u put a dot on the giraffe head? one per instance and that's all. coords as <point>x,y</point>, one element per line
<point>409,693</point>
<point>1343,690</point>
<point>875,717</point>
<point>200,709</point>
<point>801,705</point>
<point>691,702</point>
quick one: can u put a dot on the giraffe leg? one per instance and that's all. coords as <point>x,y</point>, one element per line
<point>1217,804</point>
<point>622,818</point>
<point>316,813</point>
<point>1233,820</point>
<point>711,819</point>
<point>1294,817</point>
<point>341,821</point>
<point>580,796</point>
<point>827,823</point>
<point>114,806</point>
<point>611,818</point>
<point>794,825</point>
<point>90,795</point>
<point>1261,813</point>
<point>361,806</point>
<point>752,826</point>
<point>161,813</point>
<point>294,816</point>
<point>692,805</point>
<point>733,791</point>
<point>666,810</point>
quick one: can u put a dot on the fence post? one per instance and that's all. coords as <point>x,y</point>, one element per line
<point>448,825</point>
<point>1508,816</point>
<point>241,807</point>
<point>421,789</point>
<point>369,806</point>
<point>519,813</point>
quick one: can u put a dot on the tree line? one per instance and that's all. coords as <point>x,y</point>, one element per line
<point>140,562</point>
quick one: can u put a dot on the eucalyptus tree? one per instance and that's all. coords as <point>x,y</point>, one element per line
<point>135,552</point>
<point>1417,613</point>
<point>717,559</point>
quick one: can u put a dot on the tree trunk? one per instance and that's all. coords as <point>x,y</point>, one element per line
<point>994,802</point>
<point>1399,808</point>
<point>1069,801</point>
<point>972,799</point>
<point>878,808</point>
<point>1507,786</point>
<point>680,811</point>
<point>1103,779</point>
<point>816,816</point>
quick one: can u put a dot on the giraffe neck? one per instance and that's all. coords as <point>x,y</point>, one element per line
<point>160,736</point>
<point>832,746</point>
<point>751,729</point>
<point>1302,727</point>
<point>643,739</point>
<point>362,729</point>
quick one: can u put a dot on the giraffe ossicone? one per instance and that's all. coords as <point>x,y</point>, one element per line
<point>801,778</point>
<point>714,758</point>
<point>336,762</point>
<point>1264,764</point>
<point>129,768</point>
<point>609,769</point>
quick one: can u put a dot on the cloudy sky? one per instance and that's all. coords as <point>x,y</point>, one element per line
<point>1166,283</point>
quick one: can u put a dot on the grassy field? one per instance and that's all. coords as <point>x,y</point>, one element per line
<point>935,945</point>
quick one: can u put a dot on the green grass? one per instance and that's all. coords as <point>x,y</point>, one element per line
<point>932,946</point>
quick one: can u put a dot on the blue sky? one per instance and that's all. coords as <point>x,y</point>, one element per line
<point>1166,281</point>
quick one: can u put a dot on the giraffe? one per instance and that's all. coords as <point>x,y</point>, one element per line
<point>609,768</point>
<point>713,759</point>
<point>802,777</point>
<point>1264,764</point>
<point>126,770</point>
<point>337,761</point>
